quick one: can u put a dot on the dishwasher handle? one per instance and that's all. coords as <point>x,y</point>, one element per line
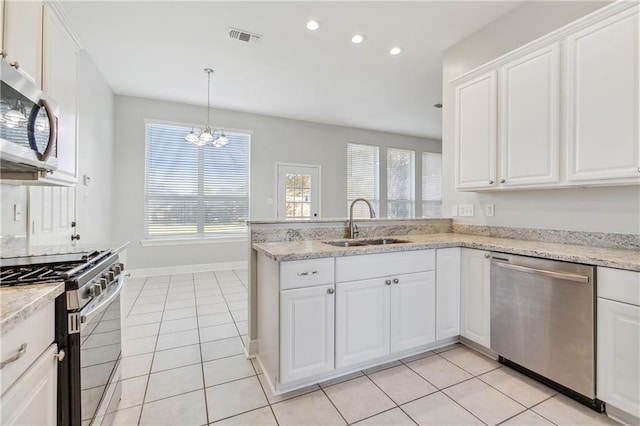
<point>551,274</point>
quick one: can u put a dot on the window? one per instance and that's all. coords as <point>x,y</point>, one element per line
<point>195,191</point>
<point>400,183</point>
<point>431,184</point>
<point>362,178</point>
<point>298,191</point>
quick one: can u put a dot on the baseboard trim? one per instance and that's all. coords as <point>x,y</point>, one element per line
<point>185,269</point>
<point>251,349</point>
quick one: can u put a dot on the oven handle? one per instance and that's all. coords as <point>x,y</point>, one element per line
<point>86,316</point>
<point>551,274</point>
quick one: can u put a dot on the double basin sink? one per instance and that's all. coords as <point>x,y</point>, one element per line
<point>371,242</point>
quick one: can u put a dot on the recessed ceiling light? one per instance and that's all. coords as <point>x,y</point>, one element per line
<point>313,25</point>
<point>395,50</point>
<point>358,38</point>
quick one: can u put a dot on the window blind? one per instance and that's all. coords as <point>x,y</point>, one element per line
<point>431,184</point>
<point>363,178</point>
<point>400,183</point>
<point>195,191</point>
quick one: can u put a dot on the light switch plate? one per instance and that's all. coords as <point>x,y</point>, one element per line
<point>489,209</point>
<point>466,210</point>
<point>17,212</point>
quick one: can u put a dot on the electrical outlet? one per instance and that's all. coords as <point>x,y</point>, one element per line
<point>454,211</point>
<point>489,209</point>
<point>466,210</point>
<point>17,212</point>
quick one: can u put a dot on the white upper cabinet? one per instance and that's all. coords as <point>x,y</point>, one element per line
<point>475,132</point>
<point>602,99</point>
<point>22,41</point>
<point>529,111</point>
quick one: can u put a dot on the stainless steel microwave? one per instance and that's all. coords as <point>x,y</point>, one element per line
<point>28,128</point>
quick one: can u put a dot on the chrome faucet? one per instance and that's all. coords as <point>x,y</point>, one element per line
<point>353,229</point>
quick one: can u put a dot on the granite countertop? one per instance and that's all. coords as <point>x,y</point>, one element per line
<point>20,302</point>
<point>598,256</point>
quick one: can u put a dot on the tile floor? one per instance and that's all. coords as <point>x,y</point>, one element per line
<point>184,364</point>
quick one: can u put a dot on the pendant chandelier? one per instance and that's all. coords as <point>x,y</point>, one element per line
<point>202,136</point>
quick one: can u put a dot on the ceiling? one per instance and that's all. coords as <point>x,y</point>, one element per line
<point>158,49</point>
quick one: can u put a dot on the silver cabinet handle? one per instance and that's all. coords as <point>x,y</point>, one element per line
<point>304,274</point>
<point>490,182</point>
<point>396,281</point>
<point>502,180</point>
<point>15,64</point>
<point>21,351</point>
<point>60,355</point>
<point>387,282</point>
<point>330,291</point>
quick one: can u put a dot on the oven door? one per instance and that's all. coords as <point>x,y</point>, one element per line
<point>100,353</point>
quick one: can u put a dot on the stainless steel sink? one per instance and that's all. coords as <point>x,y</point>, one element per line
<point>384,241</point>
<point>345,243</point>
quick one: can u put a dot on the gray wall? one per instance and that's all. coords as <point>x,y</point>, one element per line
<point>274,140</point>
<point>614,209</point>
<point>95,151</point>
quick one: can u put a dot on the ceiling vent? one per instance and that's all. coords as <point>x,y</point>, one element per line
<point>245,36</point>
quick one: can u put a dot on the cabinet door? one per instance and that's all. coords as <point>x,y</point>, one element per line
<point>618,368</point>
<point>306,332</point>
<point>60,81</point>
<point>22,40</point>
<point>413,310</point>
<point>475,132</point>
<point>475,291</point>
<point>32,399</point>
<point>447,293</point>
<point>362,321</point>
<point>602,99</point>
<point>52,210</point>
<point>529,116</point>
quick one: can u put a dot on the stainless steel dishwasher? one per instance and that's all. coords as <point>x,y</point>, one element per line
<point>543,322</point>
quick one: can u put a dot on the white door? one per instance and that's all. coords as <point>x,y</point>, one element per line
<point>447,293</point>
<point>618,369</point>
<point>413,310</point>
<point>529,117</point>
<point>298,191</point>
<point>475,292</point>
<point>52,213</point>
<point>475,132</point>
<point>22,41</point>
<point>362,321</point>
<point>602,99</point>
<point>306,332</point>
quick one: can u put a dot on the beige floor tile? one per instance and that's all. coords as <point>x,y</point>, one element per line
<point>239,315</point>
<point>382,367</point>
<point>483,401</point>
<point>212,299</point>
<point>394,417</point>
<point>341,379</point>
<point>215,308</point>
<point>283,397</point>
<point>242,327</point>
<point>173,326</point>
<point>178,339</point>
<point>150,299</point>
<point>437,410</point>
<point>145,309</point>
<point>143,319</point>
<point>470,360</point>
<point>417,357</point>
<point>523,389</point>
<point>177,357</point>
<point>179,304</point>
<point>133,392</point>
<point>127,416</point>
<point>138,331</point>
<point>528,418</point>
<point>564,411</point>
<point>218,332</point>
<point>358,399</point>
<point>260,417</point>
<point>236,297</point>
<point>139,346</point>
<point>227,369</point>
<point>237,306</point>
<point>438,371</point>
<point>256,365</point>
<point>402,384</point>
<point>138,365</point>
<point>175,314</point>
<point>223,348</point>
<point>214,319</point>
<point>311,409</point>
<point>447,348</point>
<point>230,399</point>
<point>182,410</point>
<point>181,294</point>
<point>174,382</point>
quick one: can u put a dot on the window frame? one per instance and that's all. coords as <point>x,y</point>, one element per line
<point>376,201</point>
<point>422,183</point>
<point>412,191</point>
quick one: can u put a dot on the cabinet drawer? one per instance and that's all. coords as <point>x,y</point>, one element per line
<point>620,285</point>
<point>384,264</point>
<point>306,273</point>
<point>37,332</point>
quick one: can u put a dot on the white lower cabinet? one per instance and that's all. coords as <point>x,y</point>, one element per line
<point>618,340</point>
<point>475,288</point>
<point>413,308</point>
<point>447,293</point>
<point>306,332</point>
<point>32,400</point>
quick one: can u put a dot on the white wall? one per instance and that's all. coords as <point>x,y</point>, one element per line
<point>274,140</point>
<point>615,209</point>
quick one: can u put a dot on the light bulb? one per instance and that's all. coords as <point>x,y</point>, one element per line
<point>191,137</point>
<point>313,25</point>
<point>205,137</point>
<point>357,39</point>
<point>222,140</point>
<point>395,51</point>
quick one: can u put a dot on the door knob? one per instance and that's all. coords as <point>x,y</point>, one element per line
<point>330,291</point>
